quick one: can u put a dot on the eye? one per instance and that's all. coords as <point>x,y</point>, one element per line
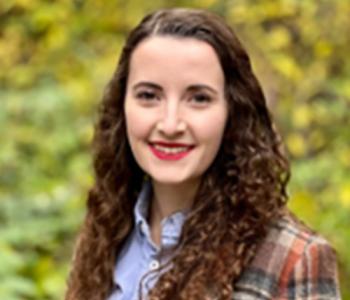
<point>201,98</point>
<point>146,95</point>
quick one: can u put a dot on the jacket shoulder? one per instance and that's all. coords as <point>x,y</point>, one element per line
<point>280,269</point>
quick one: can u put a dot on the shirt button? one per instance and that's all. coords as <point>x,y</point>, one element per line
<point>154,264</point>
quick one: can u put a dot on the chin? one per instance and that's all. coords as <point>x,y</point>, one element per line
<point>168,178</point>
<point>172,180</point>
<point>169,181</point>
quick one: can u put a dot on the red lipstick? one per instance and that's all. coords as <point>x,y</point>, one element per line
<point>163,151</point>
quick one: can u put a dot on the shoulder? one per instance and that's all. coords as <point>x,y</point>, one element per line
<point>292,262</point>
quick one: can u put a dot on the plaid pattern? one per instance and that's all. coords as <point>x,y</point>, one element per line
<point>292,263</point>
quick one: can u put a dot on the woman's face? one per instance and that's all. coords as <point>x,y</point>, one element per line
<point>175,107</point>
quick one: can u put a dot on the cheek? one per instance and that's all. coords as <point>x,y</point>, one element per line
<point>137,124</point>
<point>211,133</point>
<point>213,139</point>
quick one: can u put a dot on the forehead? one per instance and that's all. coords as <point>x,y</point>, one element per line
<point>165,56</point>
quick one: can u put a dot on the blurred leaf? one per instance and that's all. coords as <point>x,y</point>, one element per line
<point>56,58</point>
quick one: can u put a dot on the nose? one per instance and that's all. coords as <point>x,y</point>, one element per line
<point>171,122</point>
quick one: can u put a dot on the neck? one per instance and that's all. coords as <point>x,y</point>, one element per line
<point>167,200</point>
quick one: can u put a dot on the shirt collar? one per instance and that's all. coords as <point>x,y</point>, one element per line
<point>171,226</point>
<point>142,203</point>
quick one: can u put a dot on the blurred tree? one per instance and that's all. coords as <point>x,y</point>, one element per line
<point>57,56</point>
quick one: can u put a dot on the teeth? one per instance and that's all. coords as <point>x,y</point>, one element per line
<point>172,150</point>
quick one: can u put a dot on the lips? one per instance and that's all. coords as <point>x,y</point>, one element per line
<point>170,151</point>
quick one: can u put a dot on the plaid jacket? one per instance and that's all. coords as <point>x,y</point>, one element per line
<point>292,263</point>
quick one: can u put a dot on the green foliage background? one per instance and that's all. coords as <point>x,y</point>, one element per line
<point>57,56</point>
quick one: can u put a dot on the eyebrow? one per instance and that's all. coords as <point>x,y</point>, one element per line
<point>193,87</point>
<point>196,87</point>
<point>147,84</point>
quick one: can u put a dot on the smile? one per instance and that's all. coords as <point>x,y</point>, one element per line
<point>171,151</point>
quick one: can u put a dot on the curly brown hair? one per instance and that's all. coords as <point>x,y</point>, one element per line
<point>239,195</point>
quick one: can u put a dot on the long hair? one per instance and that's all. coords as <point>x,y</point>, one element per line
<point>242,191</point>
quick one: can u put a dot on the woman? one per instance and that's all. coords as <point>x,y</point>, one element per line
<point>189,200</point>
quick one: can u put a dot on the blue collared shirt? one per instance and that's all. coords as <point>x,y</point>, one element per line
<point>140,255</point>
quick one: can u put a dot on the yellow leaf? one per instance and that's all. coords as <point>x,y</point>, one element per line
<point>44,266</point>
<point>345,194</point>
<point>296,144</point>
<point>344,157</point>
<point>205,3</point>
<point>317,139</point>
<point>287,66</point>
<point>345,89</point>
<point>301,116</point>
<point>323,49</point>
<point>26,3</point>
<point>279,38</point>
<point>304,205</point>
<point>239,13</point>
<point>57,38</point>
